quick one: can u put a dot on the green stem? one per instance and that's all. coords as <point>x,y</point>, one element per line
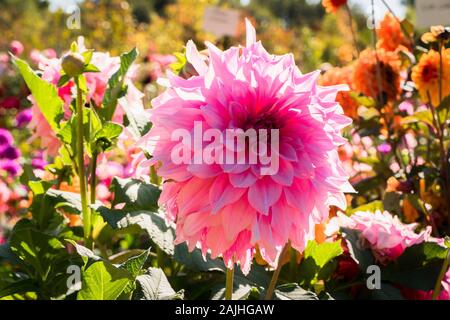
<point>81,167</point>
<point>154,176</point>
<point>93,181</point>
<point>438,285</point>
<point>276,273</point>
<point>229,284</point>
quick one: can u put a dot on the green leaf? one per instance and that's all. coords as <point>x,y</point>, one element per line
<point>137,119</point>
<point>136,194</point>
<point>318,261</point>
<point>391,202</point>
<point>135,264</point>
<point>18,287</point>
<point>153,285</point>
<point>362,100</point>
<point>241,290</point>
<point>85,253</point>
<point>103,281</point>
<point>407,27</point>
<point>91,68</point>
<point>44,93</point>
<point>371,207</point>
<point>195,261</point>
<point>153,223</point>
<point>424,116</point>
<point>104,138</point>
<point>63,80</point>
<point>362,256</point>
<point>324,252</point>
<point>39,187</point>
<point>115,89</point>
<point>387,292</point>
<point>293,291</point>
<point>36,249</point>
<point>418,267</point>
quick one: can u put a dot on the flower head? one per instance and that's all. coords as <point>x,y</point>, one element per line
<point>231,208</point>
<point>16,48</point>
<point>333,5</point>
<point>6,138</point>
<point>437,33</point>
<point>23,118</point>
<point>390,34</point>
<point>386,235</point>
<point>337,76</point>
<point>426,75</point>
<point>378,67</point>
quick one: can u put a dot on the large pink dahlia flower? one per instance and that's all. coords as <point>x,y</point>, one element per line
<point>229,210</point>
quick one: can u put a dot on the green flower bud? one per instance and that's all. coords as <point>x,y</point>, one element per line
<point>73,64</point>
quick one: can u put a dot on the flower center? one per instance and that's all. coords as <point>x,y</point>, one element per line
<point>429,73</point>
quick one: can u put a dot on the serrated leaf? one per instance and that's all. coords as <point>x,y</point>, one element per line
<point>137,118</point>
<point>69,201</point>
<point>36,249</point>
<point>103,281</point>
<point>362,256</point>
<point>153,285</point>
<point>153,223</point>
<point>114,91</point>
<point>135,264</point>
<point>293,291</point>
<point>418,267</point>
<point>19,287</point>
<point>324,252</point>
<point>135,194</point>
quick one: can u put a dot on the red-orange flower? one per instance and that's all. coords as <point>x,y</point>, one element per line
<point>344,75</point>
<point>390,35</point>
<point>426,75</point>
<point>333,5</point>
<point>367,76</point>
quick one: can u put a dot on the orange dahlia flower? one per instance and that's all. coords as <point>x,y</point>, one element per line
<point>390,34</point>
<point>333,5</point>
<point>426,75</point>
<point>366,78</point>
<point>344,75</point>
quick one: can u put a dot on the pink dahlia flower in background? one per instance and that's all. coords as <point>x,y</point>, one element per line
<point>385,234</point>
<point>229,210</point>
<point>388,238</point>
<point>96,83</point>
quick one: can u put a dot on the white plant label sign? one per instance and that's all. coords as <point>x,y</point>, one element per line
<point>432,12</point>
<point>221,22</point>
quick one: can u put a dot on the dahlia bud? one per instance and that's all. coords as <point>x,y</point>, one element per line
<point>73,64</point>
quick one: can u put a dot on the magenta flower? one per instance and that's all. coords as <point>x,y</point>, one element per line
<point>6,139</point>
<point>232,209</point>
<point>23,118</point>
<point>384,148</point>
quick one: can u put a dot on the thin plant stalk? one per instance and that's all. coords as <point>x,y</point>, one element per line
<point>81,167</point>
<point>438,285</point>
<point>350,18</point>
<point>93,181</point>
<point>229,284</point>
<point>276,273</point>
